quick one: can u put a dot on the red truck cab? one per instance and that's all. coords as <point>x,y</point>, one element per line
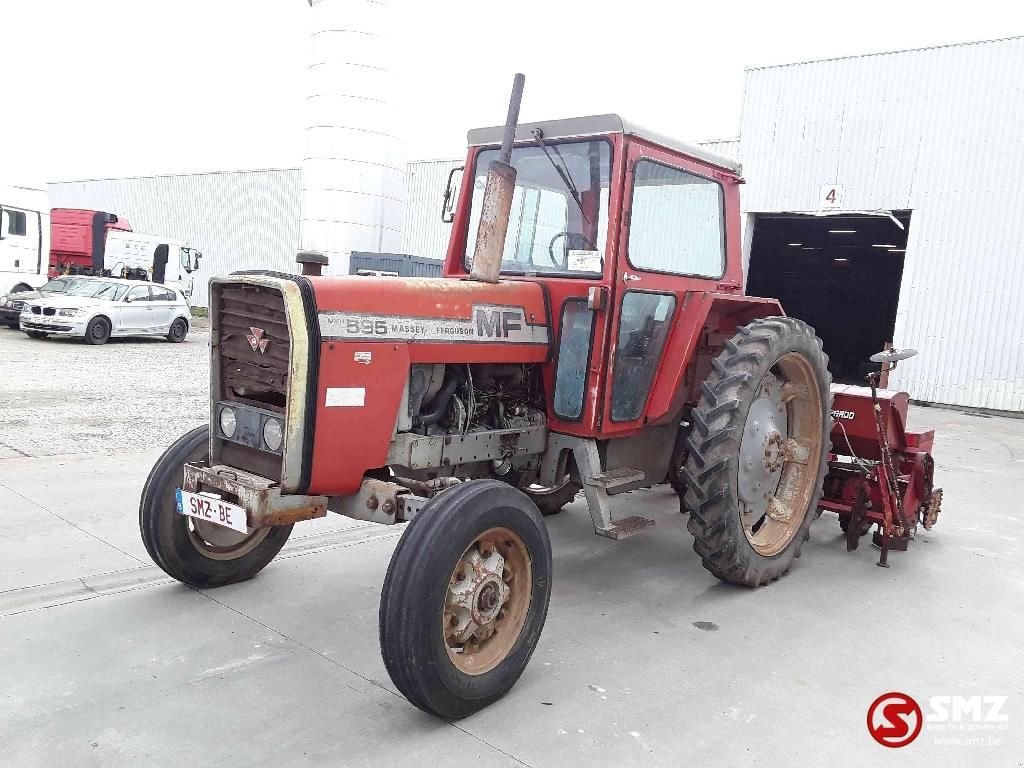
<point>78,239</point>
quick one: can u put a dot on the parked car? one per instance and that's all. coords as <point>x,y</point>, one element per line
<point>11,304</point>
<point>98,308</point>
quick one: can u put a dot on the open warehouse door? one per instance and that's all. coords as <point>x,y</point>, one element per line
<point>839,272</point>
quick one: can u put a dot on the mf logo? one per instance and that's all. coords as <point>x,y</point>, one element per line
<point>497,323</point>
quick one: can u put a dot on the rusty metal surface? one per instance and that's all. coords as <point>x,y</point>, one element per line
<point>494,214</point>
<point>261,497</point>
<point>375,501</point>
<point>420,452</point>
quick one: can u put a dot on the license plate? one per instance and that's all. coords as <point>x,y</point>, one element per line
<point>208,507</point>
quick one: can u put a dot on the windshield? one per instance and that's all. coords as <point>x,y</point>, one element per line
<point>559,218</point>
<point>98,289</point>
<point>60,285</point>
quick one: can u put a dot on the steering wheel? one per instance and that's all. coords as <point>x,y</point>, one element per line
<point>571,239</point>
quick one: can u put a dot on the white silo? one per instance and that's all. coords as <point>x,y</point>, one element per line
<point>353,168</point>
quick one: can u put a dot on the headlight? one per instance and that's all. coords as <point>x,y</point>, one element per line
<point>273,434</point>
<point>227,422</point>
<point>69,312</point>
<point>3,301</point>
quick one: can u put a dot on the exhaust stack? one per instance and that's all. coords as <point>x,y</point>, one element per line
<point>497,203</point>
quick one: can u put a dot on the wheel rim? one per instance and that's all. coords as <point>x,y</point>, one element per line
<point>219,543</point>
<point>487,601</point>
<point>178,330</point>
<point>98,331</point>
<point>780,453</point>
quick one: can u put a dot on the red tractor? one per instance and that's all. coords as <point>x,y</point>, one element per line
<point>589,333</point>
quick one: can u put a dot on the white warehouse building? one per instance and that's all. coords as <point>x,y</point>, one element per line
<point>880,205</point>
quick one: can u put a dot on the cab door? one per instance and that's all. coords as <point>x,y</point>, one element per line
<point>672,242</point>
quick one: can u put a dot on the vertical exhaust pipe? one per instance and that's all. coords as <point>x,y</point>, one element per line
<point>497,203</point>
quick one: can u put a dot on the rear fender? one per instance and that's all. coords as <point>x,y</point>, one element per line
<point>706,322</point>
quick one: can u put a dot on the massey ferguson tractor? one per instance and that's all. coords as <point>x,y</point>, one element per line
<point>589,333</point>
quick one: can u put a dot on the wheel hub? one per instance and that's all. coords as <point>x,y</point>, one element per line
<point>477,594</point>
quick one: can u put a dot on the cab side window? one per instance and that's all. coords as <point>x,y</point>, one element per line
<point>17,223</point>
<point>677,222</point>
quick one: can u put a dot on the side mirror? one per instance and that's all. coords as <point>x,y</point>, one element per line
<point>128,299</point>
<point>451,194</point>
<point>195,264</point>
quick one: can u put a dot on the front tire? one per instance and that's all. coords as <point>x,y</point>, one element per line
<point>758,451</point>
<point>465,598</point>
<point>198,553</point>
<point>98,331</point>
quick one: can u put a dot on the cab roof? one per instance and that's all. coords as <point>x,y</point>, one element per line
<point>595,125</point>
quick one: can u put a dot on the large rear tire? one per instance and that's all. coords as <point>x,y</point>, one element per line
<point>758,451</point>
<point>551,500</point>
<point>196,552</point>
<point>465,598</point>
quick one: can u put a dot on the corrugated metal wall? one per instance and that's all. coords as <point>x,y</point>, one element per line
<point>728,147</point>
<point>937,131</point>
<point>423,233</point>
<point>239,220</point>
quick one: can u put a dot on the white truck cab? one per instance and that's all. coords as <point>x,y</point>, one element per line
<point>24,238</point>
<point>152,257</point>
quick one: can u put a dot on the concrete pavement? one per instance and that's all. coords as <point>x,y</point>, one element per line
<point>645,659</point>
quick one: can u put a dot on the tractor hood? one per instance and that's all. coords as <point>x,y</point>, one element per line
<point>431,311</point>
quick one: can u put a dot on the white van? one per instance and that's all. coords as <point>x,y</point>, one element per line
<point>151,257</point>
<point>24,238</point>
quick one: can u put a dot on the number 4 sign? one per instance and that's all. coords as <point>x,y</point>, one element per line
<point>830,196</point>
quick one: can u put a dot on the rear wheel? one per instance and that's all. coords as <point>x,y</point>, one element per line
<point>758,451</point>
<point>551,500</point>
<point>198,552</point>
<point>465,598</point>
<point>178,331</point>
<point>98,331</point>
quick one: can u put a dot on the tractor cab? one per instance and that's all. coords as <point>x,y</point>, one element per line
<point>628,232</point>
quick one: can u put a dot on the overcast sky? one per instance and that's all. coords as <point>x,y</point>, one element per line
<point>122,87</point>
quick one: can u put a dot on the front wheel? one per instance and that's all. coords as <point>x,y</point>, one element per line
<point>465,598</point>
<point>98,331</point>
<point>758,451</point>
<point>198,552</point>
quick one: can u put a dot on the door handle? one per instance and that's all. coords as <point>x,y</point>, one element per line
<point>626,277</point>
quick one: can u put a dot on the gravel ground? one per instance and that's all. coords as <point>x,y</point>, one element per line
<point>61,396</point>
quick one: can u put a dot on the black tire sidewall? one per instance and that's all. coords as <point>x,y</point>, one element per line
<point>178,331</point>
<point>416,587</point>
<point>165,532</point>
<point>92,339</point>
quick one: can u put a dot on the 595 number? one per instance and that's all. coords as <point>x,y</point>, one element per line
<point>366,326</point>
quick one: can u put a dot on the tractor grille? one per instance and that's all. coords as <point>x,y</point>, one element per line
<point>254,346</point>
